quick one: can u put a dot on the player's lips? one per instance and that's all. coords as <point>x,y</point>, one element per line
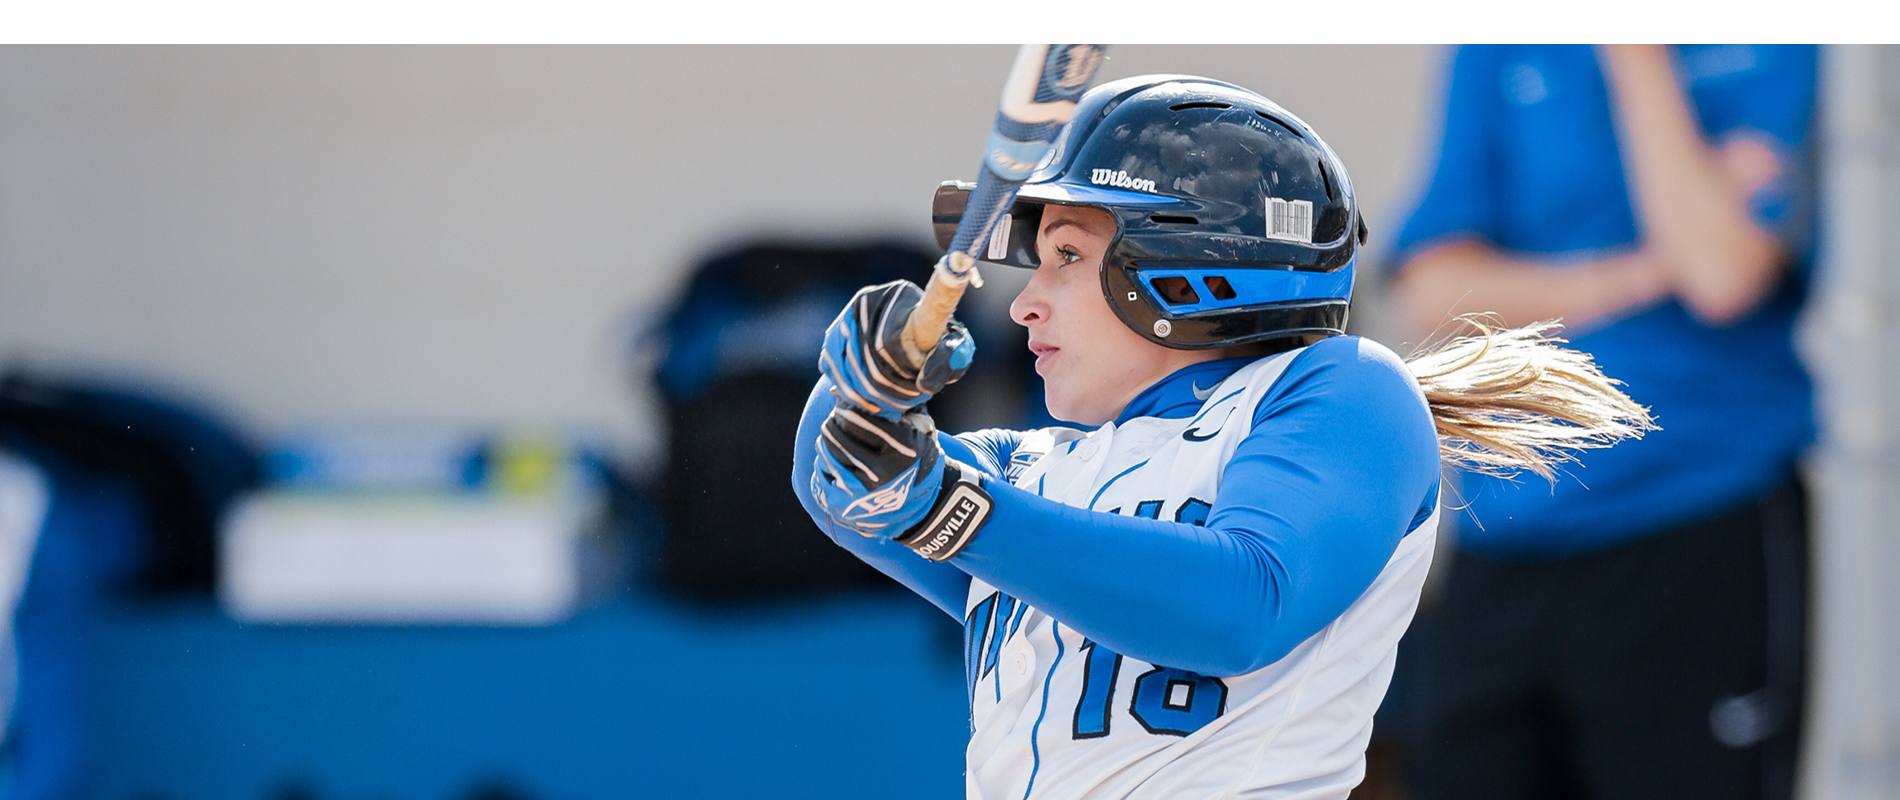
<point>1042,352</point>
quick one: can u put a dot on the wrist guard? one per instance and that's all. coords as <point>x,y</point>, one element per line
<point>960,511</point>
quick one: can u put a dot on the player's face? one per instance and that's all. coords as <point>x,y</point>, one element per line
<point>1091,364</point>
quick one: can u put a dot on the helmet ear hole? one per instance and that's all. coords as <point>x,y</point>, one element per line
<point>1220,287</point>
<point>1176,290</point>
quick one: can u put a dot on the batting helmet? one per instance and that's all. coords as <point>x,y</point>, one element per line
<point>1235,222</point>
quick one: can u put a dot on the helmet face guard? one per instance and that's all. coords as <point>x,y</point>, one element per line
<point>1235,223</point>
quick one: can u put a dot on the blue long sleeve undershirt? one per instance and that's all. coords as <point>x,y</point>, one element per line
<point>1341,463</point>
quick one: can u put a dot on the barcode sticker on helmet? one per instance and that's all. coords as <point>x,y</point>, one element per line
<point>1290,219</point>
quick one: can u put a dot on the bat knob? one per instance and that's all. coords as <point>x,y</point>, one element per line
<point>962,268</point>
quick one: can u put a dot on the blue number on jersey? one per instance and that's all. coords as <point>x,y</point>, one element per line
<point>1192,512</point>
<point>1168,701</point>
<point>1177,702</point>
<point>1098,690</point>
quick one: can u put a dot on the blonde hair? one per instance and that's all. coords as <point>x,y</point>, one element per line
<point>1506,400</point>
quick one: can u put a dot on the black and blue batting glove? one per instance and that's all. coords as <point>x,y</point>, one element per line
<point>865,358</point>
<point>886,479</point>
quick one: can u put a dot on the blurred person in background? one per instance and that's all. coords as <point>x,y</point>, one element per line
<point>1635,629</point>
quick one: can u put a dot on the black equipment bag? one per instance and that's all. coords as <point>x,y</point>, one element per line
<point>183,464</point>
<point>740,358</point>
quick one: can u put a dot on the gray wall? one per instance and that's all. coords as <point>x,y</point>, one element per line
<point>470,234</point>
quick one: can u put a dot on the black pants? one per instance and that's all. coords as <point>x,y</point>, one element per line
<point>1670,667</point>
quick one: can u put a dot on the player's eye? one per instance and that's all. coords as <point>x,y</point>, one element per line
<point>1059,255</point>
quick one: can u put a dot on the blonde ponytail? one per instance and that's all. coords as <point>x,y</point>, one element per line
<point>1511,399</point>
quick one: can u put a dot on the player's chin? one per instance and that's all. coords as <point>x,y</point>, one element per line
<point>1069,406</point>
<point>1055,401</point>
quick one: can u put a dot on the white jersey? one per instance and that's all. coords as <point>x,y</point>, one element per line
<point>1056,716</point>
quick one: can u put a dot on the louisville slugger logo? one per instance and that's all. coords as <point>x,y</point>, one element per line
<point>1120,180</point>
<point>951,527</point>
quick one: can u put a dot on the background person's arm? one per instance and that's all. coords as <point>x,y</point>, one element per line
<point>1452,262</point>
<point>1469,275</point>
<point>1691,199</point>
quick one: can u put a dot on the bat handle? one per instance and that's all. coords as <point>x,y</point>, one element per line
<point>955,272</point>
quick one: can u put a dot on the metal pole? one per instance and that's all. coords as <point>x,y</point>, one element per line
<point>1852,342</point>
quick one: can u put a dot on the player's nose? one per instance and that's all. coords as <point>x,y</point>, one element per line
<point>1029,307</point>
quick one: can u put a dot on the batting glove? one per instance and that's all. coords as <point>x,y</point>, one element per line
<point>866,360</point>
<point>886,479</point>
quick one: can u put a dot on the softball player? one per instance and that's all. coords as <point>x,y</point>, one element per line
<point>1202,596</point>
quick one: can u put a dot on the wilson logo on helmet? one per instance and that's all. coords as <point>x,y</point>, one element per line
<point>1120,180</point>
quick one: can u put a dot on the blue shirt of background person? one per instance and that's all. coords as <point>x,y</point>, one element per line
<point>1530,165</point>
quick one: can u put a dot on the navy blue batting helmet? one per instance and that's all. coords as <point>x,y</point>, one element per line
<point>1236,223</point>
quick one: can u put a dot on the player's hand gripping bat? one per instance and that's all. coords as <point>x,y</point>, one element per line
<point>881,473</point>
<point>1038,99</point>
